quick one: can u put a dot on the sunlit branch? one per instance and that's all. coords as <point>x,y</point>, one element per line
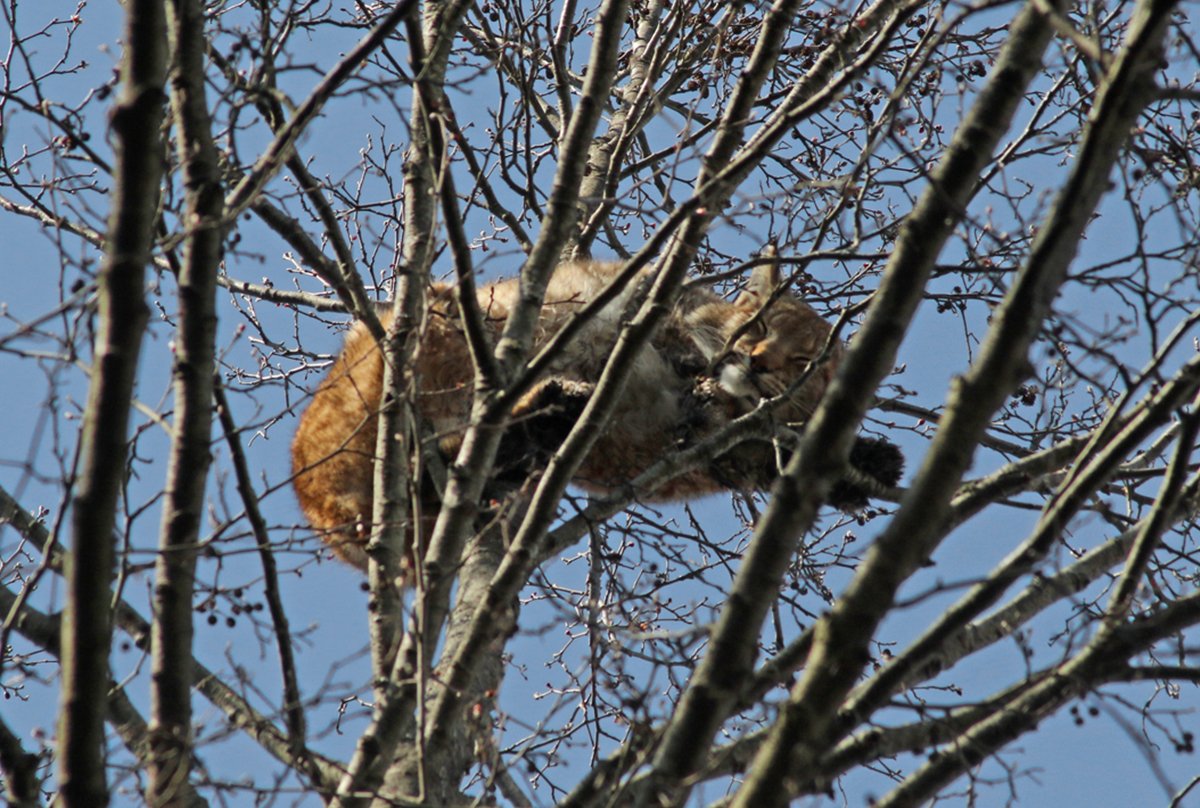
<point>517,337</point>
<point>293,708</point>
<point>435,109</point>
<point>1075,490</point>
<point>479,442</point>
<point>607,152</point>
<point>169,757</point>
<point>20,768</point>
<point>87,628</point>
<point>841,639</point>
<point>287,297</point>
<point>238,712</point>
<point>514,570</point>
<point>277,153</point>
<point>558,59</point>
<point>398,693</point>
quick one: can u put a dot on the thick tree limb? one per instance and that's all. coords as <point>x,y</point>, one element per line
<point>22,786</point>
<point>170,750</point>
<point>479,446</point>
<point>87,630</point>
<point>515,568</point>
<point>840,649</point>
<point>238,712</point>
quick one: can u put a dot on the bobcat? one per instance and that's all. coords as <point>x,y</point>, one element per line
<point>711,361</point>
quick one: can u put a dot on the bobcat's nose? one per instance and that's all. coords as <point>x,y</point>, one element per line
<point>764,360</point>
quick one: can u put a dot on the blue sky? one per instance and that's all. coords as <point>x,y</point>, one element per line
<point>1095,764</point>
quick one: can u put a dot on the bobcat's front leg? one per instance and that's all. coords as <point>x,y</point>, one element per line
<point>540,423</point>
<point>755,464</point>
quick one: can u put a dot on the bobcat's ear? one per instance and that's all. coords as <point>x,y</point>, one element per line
<point>702,326</point>
<point>764,280</point>
<point>708,339</point>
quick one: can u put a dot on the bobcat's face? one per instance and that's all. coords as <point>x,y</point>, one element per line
<point>776,349</point>
<point>771,357</point>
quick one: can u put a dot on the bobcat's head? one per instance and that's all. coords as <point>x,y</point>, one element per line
<point>774,349</point>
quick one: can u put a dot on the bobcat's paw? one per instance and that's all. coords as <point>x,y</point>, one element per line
<point>541,421</point>
<point>877,460</point>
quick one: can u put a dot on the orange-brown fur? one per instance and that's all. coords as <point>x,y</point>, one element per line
<point>667,401</point>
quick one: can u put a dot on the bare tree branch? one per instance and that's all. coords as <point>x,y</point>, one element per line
<point>170,752</point>
<point>21,780</point>
<point>87,629</point>
<point>972,217</point>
